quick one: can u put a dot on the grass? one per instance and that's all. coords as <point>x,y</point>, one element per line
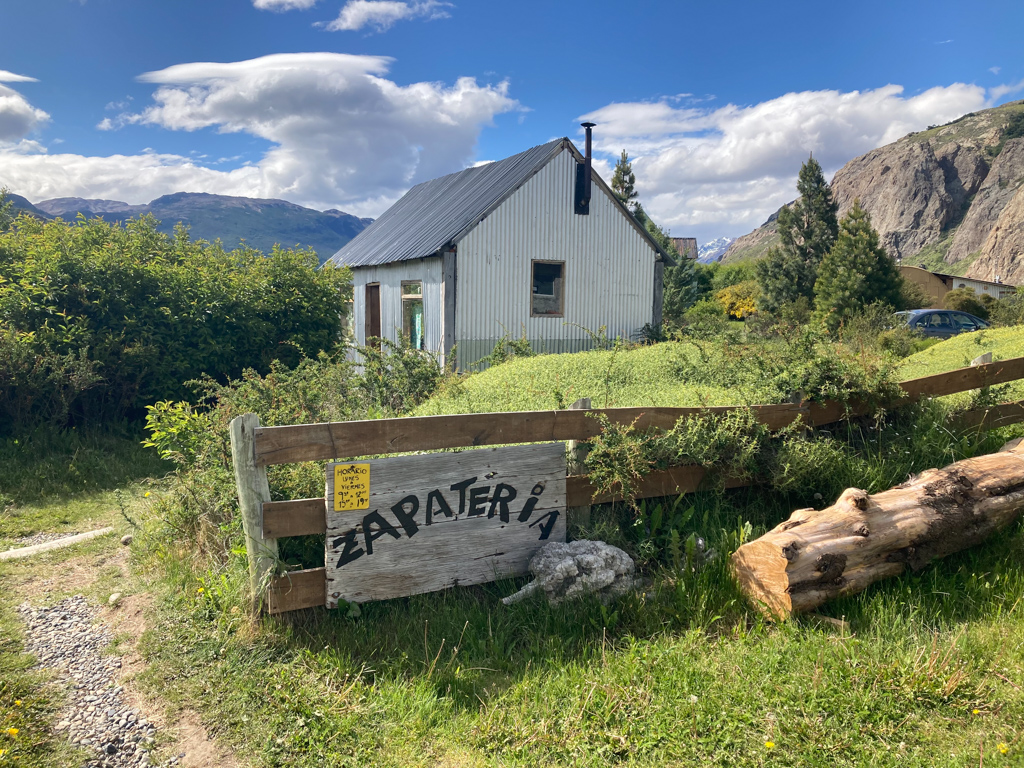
<point>642,376</point>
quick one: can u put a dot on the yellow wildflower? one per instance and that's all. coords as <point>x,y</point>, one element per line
<point>12,731</point>
<point>769,745</point>
<point>3,752</point>
<point>976,712</point>
<point>146,495</point>
<point>17,702</point>
<point>200,591</point>
<point>1003,749</point>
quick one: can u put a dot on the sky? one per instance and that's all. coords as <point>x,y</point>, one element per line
<point>347,103</point>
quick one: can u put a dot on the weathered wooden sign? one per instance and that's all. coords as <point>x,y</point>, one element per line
<point>413,524</point>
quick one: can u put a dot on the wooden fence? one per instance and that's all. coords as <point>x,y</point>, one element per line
<point>255,447</point>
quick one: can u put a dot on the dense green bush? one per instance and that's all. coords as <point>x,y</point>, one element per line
<point>966,300</point>
<point>147,312</point>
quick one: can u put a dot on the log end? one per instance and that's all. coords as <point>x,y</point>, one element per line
<point>759,567</point>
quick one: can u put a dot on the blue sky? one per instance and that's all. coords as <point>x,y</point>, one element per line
<point>347,103</point>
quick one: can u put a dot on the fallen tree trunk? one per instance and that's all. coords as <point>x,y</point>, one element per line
<point>818,555</point>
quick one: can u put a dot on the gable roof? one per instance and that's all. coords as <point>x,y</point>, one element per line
<point>438,213</point>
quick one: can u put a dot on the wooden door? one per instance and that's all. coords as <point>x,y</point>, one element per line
<point>372,324</point>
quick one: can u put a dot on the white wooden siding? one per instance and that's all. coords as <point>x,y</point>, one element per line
<point>609,268</point>
<point>390,278</point>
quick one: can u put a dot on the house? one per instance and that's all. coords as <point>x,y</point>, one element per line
<point>936,285</point>
<point>518,246</point>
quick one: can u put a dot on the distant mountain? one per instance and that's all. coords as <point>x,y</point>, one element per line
<point>950,198</point>
<point>21,205</point>
<point>711,252</point>
<point>260,223</point>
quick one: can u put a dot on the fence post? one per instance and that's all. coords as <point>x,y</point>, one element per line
<point>253,491</point>
<point>575,466</point>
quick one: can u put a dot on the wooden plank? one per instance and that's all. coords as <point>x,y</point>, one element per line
<point>299,517</point>
<point>253,490</point>
<point>990,418</point>
<point>296,590</point>
<point>335,440</point>
<point>444,519</point>
<point>662,482</point>
<point>963,379</point>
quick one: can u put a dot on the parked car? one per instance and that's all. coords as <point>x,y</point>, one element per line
<point>942,323</point>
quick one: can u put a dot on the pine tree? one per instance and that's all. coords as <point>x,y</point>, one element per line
<point>855,273</point>
<point>807,230</point>
<point>623,181</point>
<point>681,284</point>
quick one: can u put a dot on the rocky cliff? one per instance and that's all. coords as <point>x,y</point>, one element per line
<point>951,197</point>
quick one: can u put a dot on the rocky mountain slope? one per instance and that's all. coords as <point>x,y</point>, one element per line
<point>950,198</point>
<point>260,223</point>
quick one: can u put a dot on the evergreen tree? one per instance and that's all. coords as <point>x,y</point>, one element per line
<point>807,230</point>
<point>6,211</point>
<point>623,181</point>
<point>855,273</point>
<point>681,283</point>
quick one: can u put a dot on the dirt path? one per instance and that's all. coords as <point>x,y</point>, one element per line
<point>108,713</point>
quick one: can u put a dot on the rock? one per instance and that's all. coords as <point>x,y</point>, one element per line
<point>115,598</point>
<point>1003,251</point>
<point>127,539</point>
<point>999,188</point>
<point>566,571</point>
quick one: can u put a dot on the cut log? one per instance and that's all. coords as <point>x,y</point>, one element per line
<point>818,555</point>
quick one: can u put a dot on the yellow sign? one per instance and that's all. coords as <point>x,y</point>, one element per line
<point>351,487</point>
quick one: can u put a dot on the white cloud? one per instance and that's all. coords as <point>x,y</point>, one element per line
<point>382,14</point>
<point>725,170</point>
<point>18,118</point>
<point>283,5</point>
<point>1005,90</point>
<point>995,70</point>
<point>10,77</point>
<point>342,135</point>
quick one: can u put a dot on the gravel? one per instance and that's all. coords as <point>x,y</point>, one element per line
<point>42,538</point>
<point>67,639</point>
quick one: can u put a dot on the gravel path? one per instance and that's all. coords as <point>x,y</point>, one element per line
<point>42,538</point>
<point>67,639</point>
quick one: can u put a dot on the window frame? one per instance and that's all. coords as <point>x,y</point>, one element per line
<point>413,297</point>
<point>561,294</point>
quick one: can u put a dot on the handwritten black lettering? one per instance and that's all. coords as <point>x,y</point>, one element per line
<point>461,488</point>
<point>546,528</point>
<point>503,494</point>
<point>527,510</point>
<point>477,499</point>
<point>442,505</point>
<point>351,551</point>
<point>383,526</point>
<point>406,518</point>
<point>538,489</point>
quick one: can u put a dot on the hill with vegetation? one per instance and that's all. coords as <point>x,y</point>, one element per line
<point>258,223</point>
<point>950,198</point>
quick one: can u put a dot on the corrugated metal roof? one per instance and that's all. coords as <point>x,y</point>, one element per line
<point>440,212</point>
<point>435,213</point>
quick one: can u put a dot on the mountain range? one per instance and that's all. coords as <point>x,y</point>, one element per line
<point>950,199</point>
<point>714,250</point>
<point>259,223</point>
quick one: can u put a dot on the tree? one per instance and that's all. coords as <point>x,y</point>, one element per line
<point>623,181</point>
<point>807,230</point>
<point>855,273</point>
<point>681,285</point>
<point>6,208</point>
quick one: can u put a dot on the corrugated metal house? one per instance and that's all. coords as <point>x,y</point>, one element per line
<point>511,247</point>
<point>936,284</point>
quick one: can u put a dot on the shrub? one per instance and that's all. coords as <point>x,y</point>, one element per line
<point>966,300</point>
<point>147,311</point>
<point>739,300</point>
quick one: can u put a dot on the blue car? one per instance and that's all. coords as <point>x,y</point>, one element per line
<point>942,323</point>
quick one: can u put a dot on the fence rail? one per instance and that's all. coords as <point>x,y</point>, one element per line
<point>338,440</point>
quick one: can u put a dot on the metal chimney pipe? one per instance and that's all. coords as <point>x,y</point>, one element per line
<point>587,168</point>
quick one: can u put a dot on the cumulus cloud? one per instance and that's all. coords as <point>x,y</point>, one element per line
<point>283,5</point>
<point>18,118</point>
<point>342,135</point>
<point>382,14</point>
<point>1005,90</point>
<point>10,77</point>
<point>725,170</point>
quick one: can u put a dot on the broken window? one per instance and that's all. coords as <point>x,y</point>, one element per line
<point>412,314</point>
<point>548,288</point>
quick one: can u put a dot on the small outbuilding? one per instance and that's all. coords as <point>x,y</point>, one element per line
<point>534,244</point>
<point>936,284</point>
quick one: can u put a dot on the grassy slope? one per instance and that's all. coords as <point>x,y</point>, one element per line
<point>638,377</point>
